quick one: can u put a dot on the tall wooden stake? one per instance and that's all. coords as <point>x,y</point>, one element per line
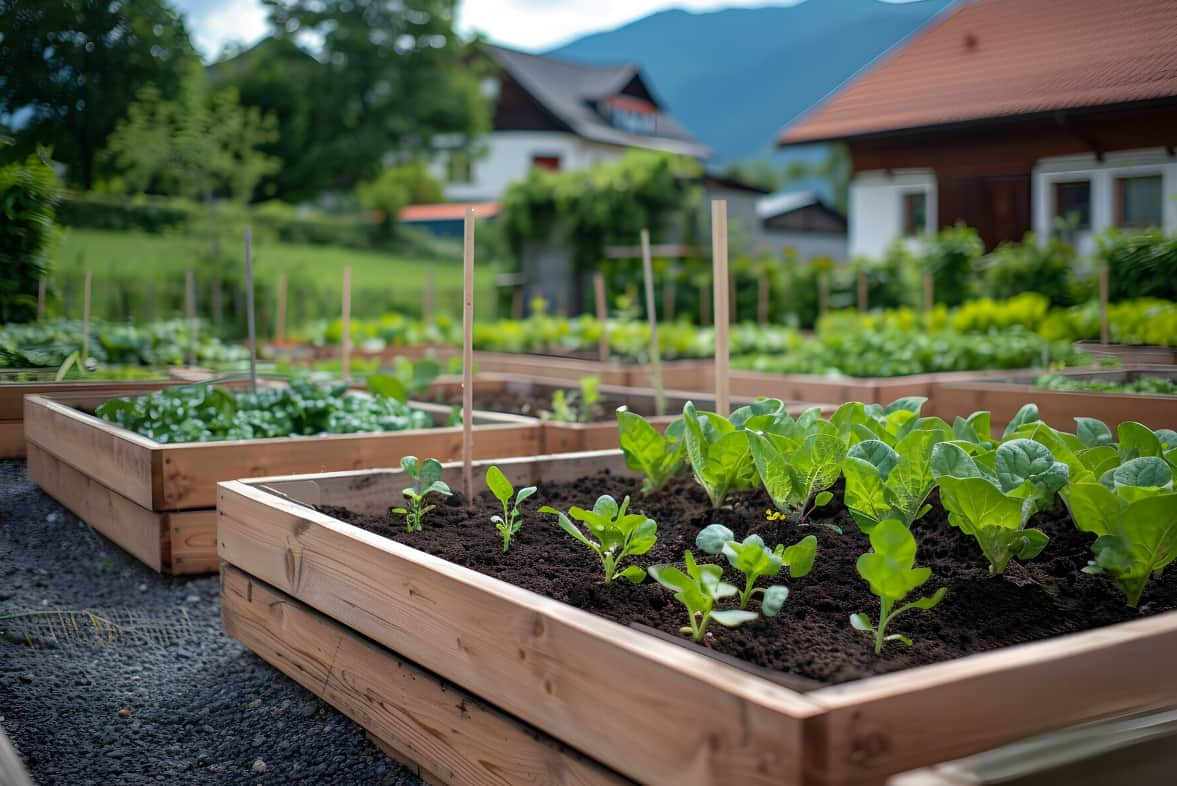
<point>41,298</point>
<point>863,305</point>
<point>190,313</point>
<point>652,316</point>
<point>468,357</point>
<point>720,274</point>
<point>762,299</point>
<point>1104,331</point>
<point>86,319</point>
<point>249,319</point>
<point>602,315</point>
<point>345,339</point>
<point>280,328</point>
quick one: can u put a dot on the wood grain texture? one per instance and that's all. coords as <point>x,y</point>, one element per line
<point>563,670</point>
<point>12,439</point>
<point>438,728</point>
<point>192,542</point>
<point>12,393</point>
<point>1055,407</point>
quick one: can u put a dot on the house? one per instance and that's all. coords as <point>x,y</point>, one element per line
<point>803,222</point>
<point>1009,115</point>
<point>559,115</point>
<point>447,219</point>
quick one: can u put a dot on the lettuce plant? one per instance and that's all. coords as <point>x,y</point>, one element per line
<point>992,496</point>
<point>718,452</point>
<point>890,570</point>
<point>699,589</point>
<point>409,378</point>
<point>887,423</point>
<point>511,520</point>
<point>1134,516</point>
<point>756,561</point>
<point>659,457</point>
<point>427,480</point>
<point>797,474</point>
<point>615,534</point>
<point>884,482</point>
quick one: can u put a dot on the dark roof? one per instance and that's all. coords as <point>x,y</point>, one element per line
<point>568,91</point>
<point>785,202</point>
<point>733,184</point>
<point>992,59</point>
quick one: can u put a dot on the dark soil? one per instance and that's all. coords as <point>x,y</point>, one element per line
<point>812,637</point>
<point>537,404</point>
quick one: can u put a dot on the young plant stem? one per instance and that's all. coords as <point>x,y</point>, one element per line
<point>746,595</point>
<point>884,618</point>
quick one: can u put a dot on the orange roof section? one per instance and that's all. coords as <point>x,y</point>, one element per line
<point>450,211</point>
<point>1004,58</point>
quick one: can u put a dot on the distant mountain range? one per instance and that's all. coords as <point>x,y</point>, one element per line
<point>737,76</point>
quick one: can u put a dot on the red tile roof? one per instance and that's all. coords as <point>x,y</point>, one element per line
<point>450,211</point>
<point>1001,58</point>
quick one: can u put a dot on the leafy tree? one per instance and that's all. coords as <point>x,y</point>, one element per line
<point>70,68</point>
<point>393,79</point>
<point>397,186</point>
<point>196,144</point>
<point>28,194</point>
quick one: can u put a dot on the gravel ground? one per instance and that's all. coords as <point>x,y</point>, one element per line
<point>169,699</point>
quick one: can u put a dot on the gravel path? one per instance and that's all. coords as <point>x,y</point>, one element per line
<point>167,698</point>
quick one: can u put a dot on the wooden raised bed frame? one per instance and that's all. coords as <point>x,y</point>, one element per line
<point>676,374</point>
<point>642,707</point>
<point>158,501</point>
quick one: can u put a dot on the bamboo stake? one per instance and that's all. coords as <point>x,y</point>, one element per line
<point>41,298</point>
<point>1104,330</point>
<point>249,319</point>
<point>345,340</point>
<point>468,357</point>
<point>762,299</point>
<point>720,274</point>
<point>190,313</point>
<point>602,315</point>
<point>652,316</point>
<point>86,319</point>
<point>280,328</point>
<point>863,294</point>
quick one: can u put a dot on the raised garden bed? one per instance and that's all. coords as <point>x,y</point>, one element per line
<point>1004,395</point>
<point>676,374</point>
<point>1130,354</point>
<point>649,706</point>
<point>158,501</point>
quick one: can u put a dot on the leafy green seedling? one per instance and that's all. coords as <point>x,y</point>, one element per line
<point>427,480</point>
<point>409,379</point>
<point>890,570</point>
<point>756,561</point>
<point>577,406</point>
<point>511,520</point>
<point>617,534</point>
<point>797,476</point>
<point>718,453</point>
<point>659,457</point>
<point>884,482</point>
<point>699,589</point>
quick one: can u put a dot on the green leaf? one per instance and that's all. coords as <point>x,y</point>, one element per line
<point>899,637</point>
<point>411,466</point>
<point>1093,507</point>
<point>866,494</point>
<point>633,574</point>
<point>1027,414</point>
<point>861,621</point>
<point>823,499</point>
<point>388,386</point>
<point>800,556</point>
<point>671,577</point>
<point>1092,433</point>
<point>877,453</point>
<point>1032,544</point>
<point>1146,471</point>
<point>646,451</point>
<point>732,617</point>
<point>949,460</point>
<point>524,493</point>
<point>1137,440</point>
<point>498,484</point>
<point>430,471</point>
<point>712,538</point>
<point>774,598</point>
<point>929,601</point>
<point>982,510</point>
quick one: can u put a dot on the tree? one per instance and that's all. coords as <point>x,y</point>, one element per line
<point>70,68</point>
<point>393,79</point>
<point>397,186</point>
<point>28,194</point>
<point>196,145</point>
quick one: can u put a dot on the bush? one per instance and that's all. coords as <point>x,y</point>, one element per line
<point>950,257</point>
<point>28,195</point>
<point>1015,268</point>
<point>121,214</point>
<point>1140,264</point>
<point>979,316</point>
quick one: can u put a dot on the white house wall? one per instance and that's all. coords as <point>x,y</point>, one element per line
<point>876,208</point>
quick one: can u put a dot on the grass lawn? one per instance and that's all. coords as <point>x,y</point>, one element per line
<point>129,268</point>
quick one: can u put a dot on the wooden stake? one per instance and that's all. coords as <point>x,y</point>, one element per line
<point>762,299</point>
<point>41,298</point>
<point>345,339</point>
<point>863,293</point>
<point>602,315</point>
<point>249,320</point>
<point>280,327</point>
<point>468,357</point>
<point>652,317</point>
<point>720,275</point>
<point>427,296</point>
<point>86,320</point>
<point>190,313</point>
<point>1104,331</point>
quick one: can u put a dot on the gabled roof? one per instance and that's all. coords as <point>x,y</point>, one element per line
<point>789,201</point>
<point>569,90</point>
<point>993,59</point>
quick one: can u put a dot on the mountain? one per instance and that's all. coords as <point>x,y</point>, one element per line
<point>737,76</point>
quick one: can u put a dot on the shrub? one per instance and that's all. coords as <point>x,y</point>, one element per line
<point>950,257</point>
<point>1015,268</point>
<point>28,195</point>
<point>90,211</point>
<point>1140,264</point>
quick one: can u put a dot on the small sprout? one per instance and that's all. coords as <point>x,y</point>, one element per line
<point>699,589</point>
<point>617,534</point>
<point>577,406</point>
<point>890,572</point>
<point>427,477</point>
<point>511,520</point>
<point>756,561</point>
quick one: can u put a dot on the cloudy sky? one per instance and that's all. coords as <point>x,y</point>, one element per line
<point>525,24</point>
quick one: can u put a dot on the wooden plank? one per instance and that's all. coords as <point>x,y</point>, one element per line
<point>1056,407</point>
<point>12,771</point>
<point>192,542</point>
<point>561,669</point>
<point>12,393</point>
<point>134,528</point>
<point>12,439</point>
<point>900,722</point>
<point>431,724</point>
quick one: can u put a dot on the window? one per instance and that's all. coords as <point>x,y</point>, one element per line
<point>915,213</point>
<point>1138,201</point>
<point>1072,202</point>
<point>459,167</point>
<point>551,163</point>
<point>634,122</point>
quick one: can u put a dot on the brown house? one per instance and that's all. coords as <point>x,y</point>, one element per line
<point>1008,114</point>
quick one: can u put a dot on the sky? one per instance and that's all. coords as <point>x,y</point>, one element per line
<point>533,25</point>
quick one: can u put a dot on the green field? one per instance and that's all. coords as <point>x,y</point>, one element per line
<point>138,276</point>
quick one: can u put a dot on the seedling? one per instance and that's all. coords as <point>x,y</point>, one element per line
<point>427,477</point>
<point>511,520</point>
<point>699,589</point>
<point>617,534</point>
<point>408,379</point>
<point>659,457</point>
<point>577,406</point>
<point>889,569</point>
<point>756,561</point>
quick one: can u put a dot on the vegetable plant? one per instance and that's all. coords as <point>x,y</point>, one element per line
<point>576,407</point>
<point>884,482</point>
<point>613,534</point>
<point>408,379</point>
<point>511,520</point>
<point>700,588</point>
<point>659,457</point>
<point>427,480</point>
<point>890,570</point>
<point>756,561</point>
<point>718,452</point>
<point>797,473</point>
